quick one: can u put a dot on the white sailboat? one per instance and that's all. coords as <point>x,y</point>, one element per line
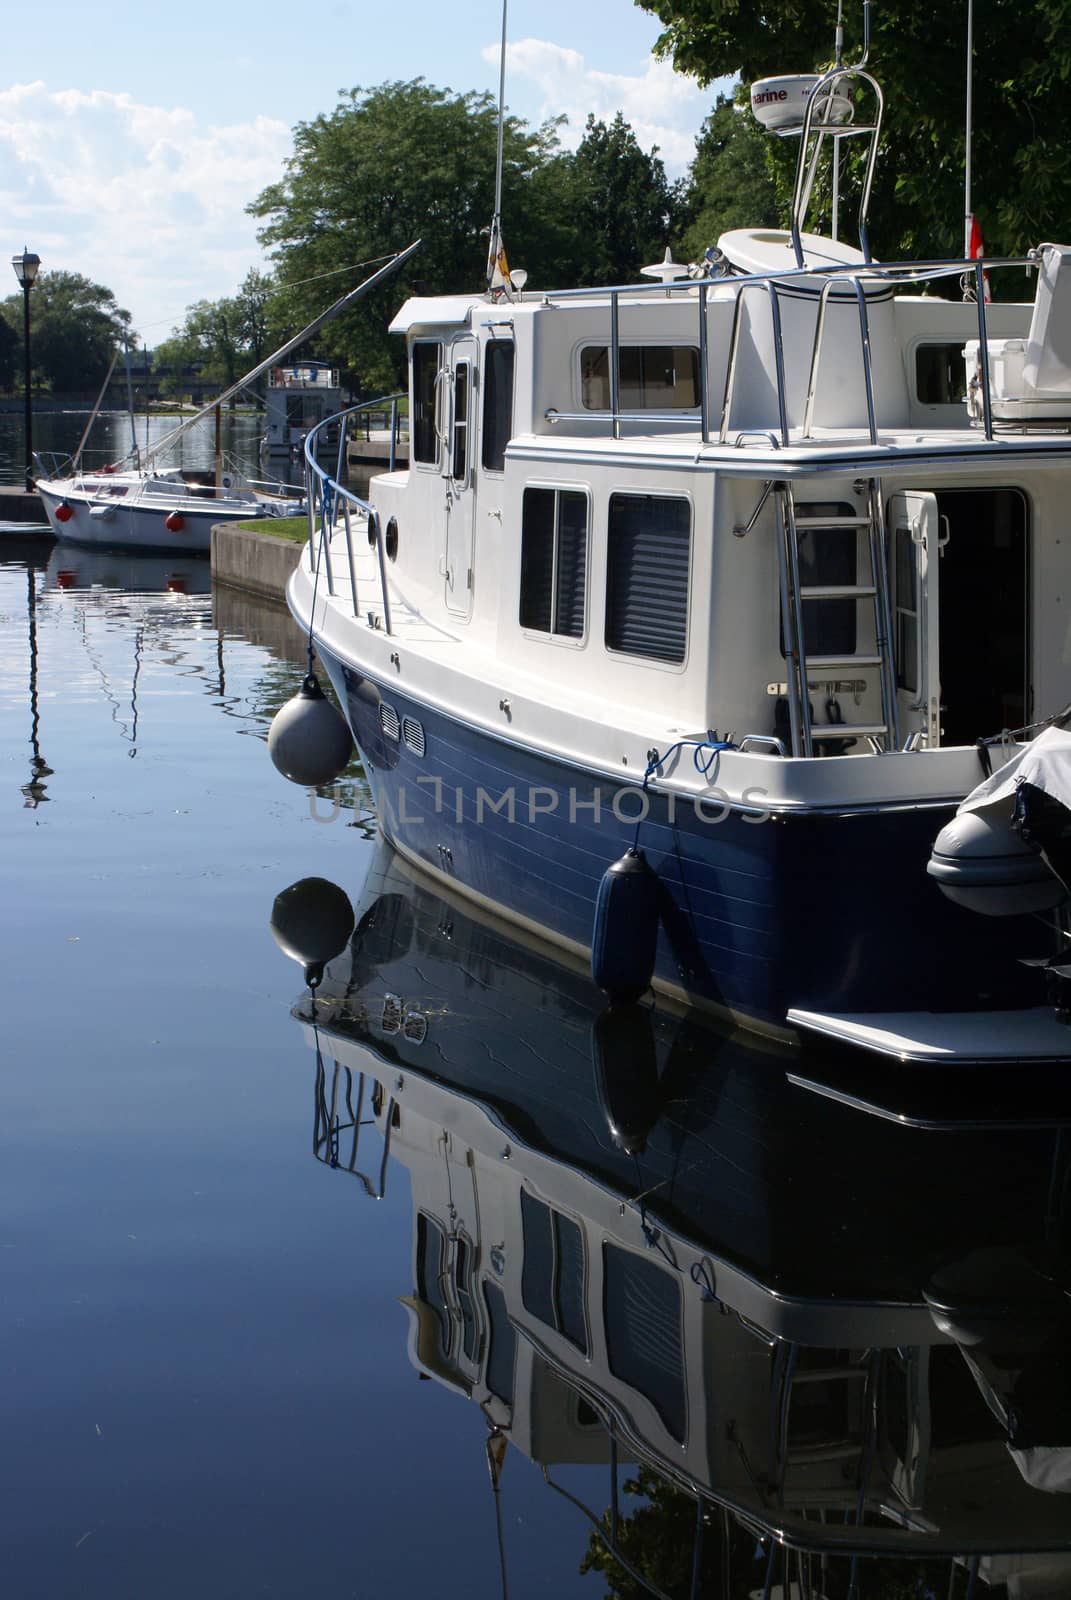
<point>142,504</point>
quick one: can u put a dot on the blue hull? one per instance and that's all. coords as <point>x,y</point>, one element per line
<point>820,912</point>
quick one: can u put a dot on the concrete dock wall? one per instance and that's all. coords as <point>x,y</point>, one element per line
<point>258,563</point>
<point>18,506</point>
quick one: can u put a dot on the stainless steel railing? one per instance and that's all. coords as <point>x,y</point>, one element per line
<point>328,499</point>
<point>858,277</point>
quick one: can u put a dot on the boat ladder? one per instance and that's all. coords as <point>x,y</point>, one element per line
<point>810,672</point>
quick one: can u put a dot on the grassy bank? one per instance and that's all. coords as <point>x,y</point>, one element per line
<point>296,528</point>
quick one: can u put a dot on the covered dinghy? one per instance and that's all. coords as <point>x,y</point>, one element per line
<point>1007,851</point>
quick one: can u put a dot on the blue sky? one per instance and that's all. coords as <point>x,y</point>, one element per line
<point>131,138</point>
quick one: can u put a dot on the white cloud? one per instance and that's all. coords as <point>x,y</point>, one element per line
<point>664,107</point>
<point>145,199</point>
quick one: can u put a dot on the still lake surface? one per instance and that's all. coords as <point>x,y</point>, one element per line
<point>209,1385</point>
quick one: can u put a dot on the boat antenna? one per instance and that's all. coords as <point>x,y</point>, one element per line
<point>497,266</point>
<point>838,37</point>
<point>968,215</point>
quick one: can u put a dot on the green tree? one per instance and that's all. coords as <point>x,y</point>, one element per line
<point>74,330</point>
<point>255,304</point>
<point>731,183</point>
<point>224,338</point>
<point>9,354</point>
<point>1022,177</point>
<point>387,166</point>
<point>620,207</point>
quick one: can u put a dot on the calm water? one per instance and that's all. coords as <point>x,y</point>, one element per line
<point>58,433</point>
<point>209,1384</point>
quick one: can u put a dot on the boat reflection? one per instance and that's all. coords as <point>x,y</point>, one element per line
<point>824,1339</point>
<point>72,567</point>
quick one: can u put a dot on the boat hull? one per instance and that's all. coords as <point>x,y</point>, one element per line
<point>758,913</point>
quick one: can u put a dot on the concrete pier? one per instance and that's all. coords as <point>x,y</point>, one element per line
<point>16,505</point>
<point>258,563</point>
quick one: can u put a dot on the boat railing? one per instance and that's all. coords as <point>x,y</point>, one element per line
<point>857,277</point>
<point>329,500</point>
<point>338,1118</point>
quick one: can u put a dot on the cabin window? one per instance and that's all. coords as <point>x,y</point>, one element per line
<point>940,374</point>
<point>651,377</point>
<point>459,456</point>
<point>424,436</point>
<point>647,576</point>
<point>554,561</point>
<point>502,1351</point>
<point>644,1333</point>
<point>552,1278</point>
<point>466,1304</point>
<point>828,558</point>
<point>497,403</point>
<point>906,614</point>
<point>430,1265</point>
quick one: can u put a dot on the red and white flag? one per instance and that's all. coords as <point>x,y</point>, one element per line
<point>977,251</point>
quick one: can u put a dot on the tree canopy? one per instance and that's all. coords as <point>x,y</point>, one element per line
<point>75,326</point>
<point>1022,178</point>
<point>226,337</point>
<point>616,208</point>
<point>408,160</point>
<point>732,182</point>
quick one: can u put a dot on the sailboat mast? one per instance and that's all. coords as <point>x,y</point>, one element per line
<point>291,344</point>
<point>967,212</point>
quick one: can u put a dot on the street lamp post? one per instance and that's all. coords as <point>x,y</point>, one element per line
<point>26,268</point>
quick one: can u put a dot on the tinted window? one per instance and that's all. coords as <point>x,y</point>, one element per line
<point>430,1246</point>
<point>497,403</point>
<point>424,440</point>
<point>647,576</point>
<point>940,374</point>
<point>650,377</point>
<point>643,1333</point>
<point>552,1278</point>
<point>554,557</point>
<point>502,1355</point>
<point>460,453</point>
<point>907,607</point>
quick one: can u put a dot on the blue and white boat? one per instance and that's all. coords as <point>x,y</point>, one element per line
<point>760,567</point>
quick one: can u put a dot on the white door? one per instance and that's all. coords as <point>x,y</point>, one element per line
<point>915,538</point>
<point>459,475</point>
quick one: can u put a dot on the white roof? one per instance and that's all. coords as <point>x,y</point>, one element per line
<point>437,311</point>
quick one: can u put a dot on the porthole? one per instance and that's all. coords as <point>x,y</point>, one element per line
<point>390,539</point>
<point>372,525</point>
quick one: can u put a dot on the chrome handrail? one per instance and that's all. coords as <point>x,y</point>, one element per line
<point>331,495</point>
<point>890,273</point>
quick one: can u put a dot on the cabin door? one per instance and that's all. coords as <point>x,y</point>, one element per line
<point>960,562</point>
<point>459,476</point>
<point>916,542</point>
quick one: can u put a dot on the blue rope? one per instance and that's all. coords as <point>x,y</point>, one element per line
<point>704,754</point>
<point>702,1276</point>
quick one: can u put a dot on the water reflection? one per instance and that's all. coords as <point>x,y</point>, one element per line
<point>772,1338</point>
